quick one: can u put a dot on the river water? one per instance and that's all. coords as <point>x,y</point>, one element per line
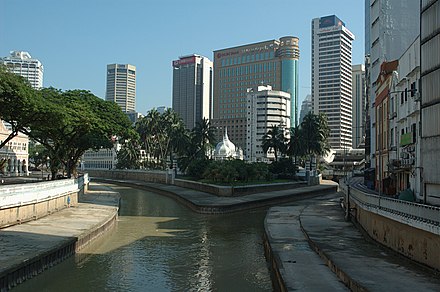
<point>161,245</point>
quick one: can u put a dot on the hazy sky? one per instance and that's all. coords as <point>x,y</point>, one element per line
<point>75,40</point>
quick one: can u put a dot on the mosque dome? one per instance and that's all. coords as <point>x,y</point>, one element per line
<point>225,148</point>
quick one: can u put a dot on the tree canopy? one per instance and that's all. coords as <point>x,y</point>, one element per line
<point>66,123</point>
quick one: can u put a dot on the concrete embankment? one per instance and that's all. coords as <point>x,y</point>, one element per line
<point>206,203</point>
<point>28,249</point>
<point>359,263</point>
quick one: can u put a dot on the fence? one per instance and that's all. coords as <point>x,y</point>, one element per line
<point>425,217</point>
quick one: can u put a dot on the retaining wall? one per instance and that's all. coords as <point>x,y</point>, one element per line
<point>142,175</point>
<point>411,229</point>
<point>24,202</point>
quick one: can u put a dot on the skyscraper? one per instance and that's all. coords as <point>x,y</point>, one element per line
<point>21,63</point>
<point>358,107</point>
<point>121,86</point>
<point>192,88</point>
<point>331,77</point>
<point>236,69</point>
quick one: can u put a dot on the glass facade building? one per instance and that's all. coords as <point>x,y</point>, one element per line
<point>237,69</point>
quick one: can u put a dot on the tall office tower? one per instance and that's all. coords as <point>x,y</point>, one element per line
<point>430,99</point>
<point>331,77</point>
<point>236,69</point>
<point>390,28</point>
<point>192,88</point>
<point>21,63</point>
<point>306,107</point>
<point>359,102</point>
<point>121,86</point>
<point>265,108</point>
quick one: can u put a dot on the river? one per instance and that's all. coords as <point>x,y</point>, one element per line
<point>161,245</point>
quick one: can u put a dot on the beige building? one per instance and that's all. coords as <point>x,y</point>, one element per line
<point>236,69</point>
<point>121,86</point>
<point>14,155</point>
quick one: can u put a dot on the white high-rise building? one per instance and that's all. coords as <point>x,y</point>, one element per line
<point>192,89</point>
<point>121,86</point>
<point>391,26</point>
<point>21,63</point>
<point>265,108</point>
<point>358,107</point>
<point>331,77</point>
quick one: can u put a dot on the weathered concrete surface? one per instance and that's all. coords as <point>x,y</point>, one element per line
<point>362,264</point>
<point>210,204</point>
<point>296,266</point>
<point>29,248</point>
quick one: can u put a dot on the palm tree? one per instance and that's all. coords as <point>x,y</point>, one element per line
<point>129,155</point>
<point>147,127</point>
<point>295,146</point>
<point>274,139</point>
<point>203,137</point>
<point>315,135</point>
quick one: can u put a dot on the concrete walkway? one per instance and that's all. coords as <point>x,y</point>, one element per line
<point>35,244</point>
<point>361,264</point>
<point>210,204</point>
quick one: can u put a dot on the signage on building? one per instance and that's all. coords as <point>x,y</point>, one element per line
<point>184,61</point>
<point>406,139</point>
<point>221,55</point>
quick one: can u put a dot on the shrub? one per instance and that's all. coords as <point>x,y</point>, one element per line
<point>197,167</point>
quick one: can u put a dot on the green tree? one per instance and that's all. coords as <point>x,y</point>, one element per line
<point>203,138</point>
<point>295,146</point>
<point>315,132</point>
<point>274,139</point>
<point>18,103</point>
<point>129,156</point>
<point>76,121</point>
<point>162,135</point>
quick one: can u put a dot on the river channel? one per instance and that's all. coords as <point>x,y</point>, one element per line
<point>161,245</point>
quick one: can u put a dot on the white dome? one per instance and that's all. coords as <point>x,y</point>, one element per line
<point>225,148</point>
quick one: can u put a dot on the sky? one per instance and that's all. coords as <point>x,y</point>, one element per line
<point>75,40</point>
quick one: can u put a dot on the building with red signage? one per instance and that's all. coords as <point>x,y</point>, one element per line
<point>236,69</point>
<point>192,88</point>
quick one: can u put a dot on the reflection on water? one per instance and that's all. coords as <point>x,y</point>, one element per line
<point>160,245</point>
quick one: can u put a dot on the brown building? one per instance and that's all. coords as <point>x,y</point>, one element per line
<point>382,105</point>
<point>236,69</point>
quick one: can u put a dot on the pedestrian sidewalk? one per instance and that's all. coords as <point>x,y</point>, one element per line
<point>29,248</point>
<point>360,263</point>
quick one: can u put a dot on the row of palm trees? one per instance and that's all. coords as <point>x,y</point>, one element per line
<point>163,137</point>
<point>308,140</point>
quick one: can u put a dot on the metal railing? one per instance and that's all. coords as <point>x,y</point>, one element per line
<point>425,217</point>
